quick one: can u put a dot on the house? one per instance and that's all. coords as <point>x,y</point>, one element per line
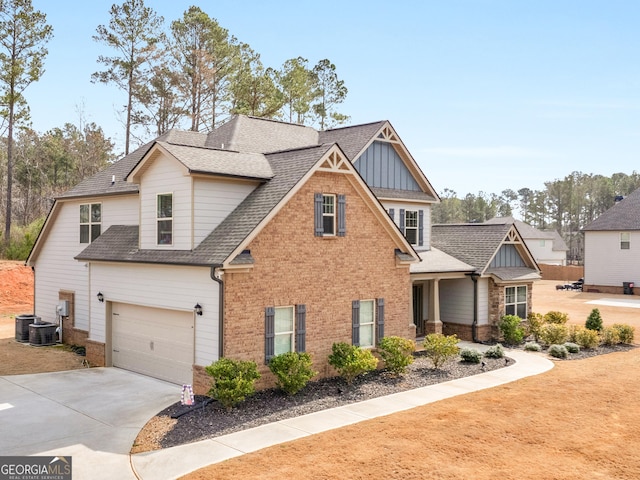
<point>546,246</point>
<point>612,248</point>
<point>257,238</point>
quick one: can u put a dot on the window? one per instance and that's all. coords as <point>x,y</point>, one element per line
<point>367,322</point>
<point>542,243</point>
<point>283,323</point>
<point>165,219</point>
<point>90,222</point>
<point>330,215</point>
<point>411,226</point>
<point>285,330</point>
<point>515,301</point>
<point>625,240</point>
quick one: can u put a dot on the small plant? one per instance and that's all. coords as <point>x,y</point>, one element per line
<point>535,321</point>
<point>585,338</point>
<point>572,347</point>
<point>609,336</point>
<point>532,347</point>
<point>397,353</point>
<point>594,320</point>
<point>558,351</point>
<point>554,333</point>
<point>293,370</point>
<point>351,361</point>
<point>470,355</point>
<point>555,317</point>
<point>625,332</point>
<point>233,380</point>
<point>511,330</point>
<point>440,348</point>
<point>497,351</point>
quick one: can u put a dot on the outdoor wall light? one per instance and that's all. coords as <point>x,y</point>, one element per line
<point>100,297</point>
<point>198,309</point>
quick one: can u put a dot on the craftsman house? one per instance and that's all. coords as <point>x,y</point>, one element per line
<point>612,248</point>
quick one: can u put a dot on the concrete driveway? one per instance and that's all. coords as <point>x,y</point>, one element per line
<point>92,415</point>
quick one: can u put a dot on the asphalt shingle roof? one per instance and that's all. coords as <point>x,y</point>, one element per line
<point>624,215</point>
<point>351,139</point>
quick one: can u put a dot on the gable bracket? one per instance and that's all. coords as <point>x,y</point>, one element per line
<point>335,163</point>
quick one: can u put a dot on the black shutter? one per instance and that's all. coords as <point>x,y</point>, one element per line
<point>269,333</point>
<point>301,328</point>
<point>342,212</point>
<point>420,227</point>
<point>319,228</point>
<point>355,322</point>
<point>392,214</point>
<point>402,220</point>
<point>380,320</point>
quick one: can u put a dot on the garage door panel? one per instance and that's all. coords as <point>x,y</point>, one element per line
<point>154,342</point>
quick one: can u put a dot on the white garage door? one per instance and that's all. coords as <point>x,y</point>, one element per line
<point>153,341</point>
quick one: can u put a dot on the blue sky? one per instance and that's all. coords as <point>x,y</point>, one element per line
<point>486,94</point>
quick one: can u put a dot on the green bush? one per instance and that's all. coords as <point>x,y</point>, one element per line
<point>22,240</point>
<point>609,336</point>
<point>554,333</point>
<point>396,353</point>
<point>293,371</point>
<point>532,347</point>
<point>233,380</point>
<point>470,355</point>
<point>594,320</point>
<point>351,361</point>
<point>572,347</point>
<point>440,348</point>
<point>535,321</point>
<point>585,338</point>
<point>497,351</point>
<point>511,330</point>
<point>625,332</point>
<point>558,351</point>
<point>555,317</point>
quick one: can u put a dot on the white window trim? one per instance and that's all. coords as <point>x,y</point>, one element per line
<point>333,215</point>
<point>407,227</point>
<point>516,303</point>
<point>159,219</point>
<point>372,324</point>
<point>277,334</point>
<point>90,223</point>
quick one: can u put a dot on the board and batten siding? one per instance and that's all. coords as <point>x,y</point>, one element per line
<point>55,267</point>
<point>213,201</point>
<point>166,175</point>
<point>456,301</point>
<point>381,166</point>
<point>605,263</point>
<point>426,219</point>
<point>159,286</point>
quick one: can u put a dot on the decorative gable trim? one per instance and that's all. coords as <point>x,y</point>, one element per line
<point>514,239</point>
<point>336,163</point>
<point>388,135</point>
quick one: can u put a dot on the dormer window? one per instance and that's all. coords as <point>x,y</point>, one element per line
<point>164,218</point>
<point>411,226</point>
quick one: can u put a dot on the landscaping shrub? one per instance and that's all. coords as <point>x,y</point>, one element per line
<point>554,333</point>
<point>594,320</point>
<point>397,353</point>
<point>511,330</point>
<point>440,348</point>
<point>609,336</point>
<point>293,370</point>
<point>233,380</point>
<point>497,351</point>
<point>22,239</point>
<point>585,338</point>
<point>470,355</point>
<point>351,361</point>
<point>535,321</point>
<point>555,317</point>
<point>558,351</point>
<point>625,332</point>
<point>572,347</point>
<point>532,347</point>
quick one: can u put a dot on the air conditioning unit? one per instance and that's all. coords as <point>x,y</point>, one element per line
<point>22,326</point>
<point>41,334</point>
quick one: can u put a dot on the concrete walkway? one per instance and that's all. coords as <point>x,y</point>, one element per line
<point>173,462</point>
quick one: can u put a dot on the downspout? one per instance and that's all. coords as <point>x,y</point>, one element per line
<point>220,309</point>
<point>33,269</point>
<point>474,325</point>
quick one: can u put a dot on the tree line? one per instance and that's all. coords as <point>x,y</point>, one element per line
<point>566,205</point>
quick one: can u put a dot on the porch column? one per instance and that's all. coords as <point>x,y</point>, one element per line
<point>434,324</point>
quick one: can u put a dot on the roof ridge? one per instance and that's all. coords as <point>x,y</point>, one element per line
<point>354,126</point>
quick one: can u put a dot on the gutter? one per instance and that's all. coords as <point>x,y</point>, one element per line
<point>220,282</point>
<point>474,325</point>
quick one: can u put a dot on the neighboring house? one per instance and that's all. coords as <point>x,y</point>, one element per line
<point>546,246</point>
<point>612,248</point>
<point>258,238</point>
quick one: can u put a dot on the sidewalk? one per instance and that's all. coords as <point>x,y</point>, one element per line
<point>177,461</point>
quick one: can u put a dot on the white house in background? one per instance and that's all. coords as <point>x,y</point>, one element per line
<point>612,247</point>
<point>546,246</point>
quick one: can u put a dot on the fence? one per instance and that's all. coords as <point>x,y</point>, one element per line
<point>569,273</point>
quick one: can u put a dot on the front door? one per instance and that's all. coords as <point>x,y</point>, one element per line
<point>418,318</point>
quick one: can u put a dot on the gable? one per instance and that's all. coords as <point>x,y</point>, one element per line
<point>381,166</point>
<point>507,256</point>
